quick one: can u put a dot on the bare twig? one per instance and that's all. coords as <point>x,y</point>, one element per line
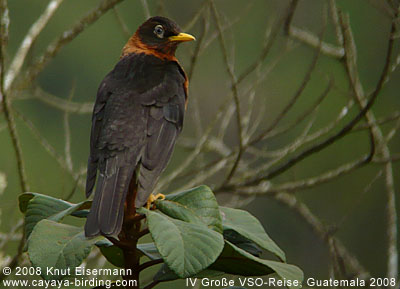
<point>146,9</point>
<point>234,91</point>
<point>6,104</point>
<point>198,149</point>
<point>124,28</point>
<point>62,104</point>
<point>66,37</point>
<point>312,40</point>
<point>295,96</point>
<point>67,148</point>
<point>343,132</point>
<point>150,263</point>
<point>322,232</point>
<point>351,66</point>
<point>309,182</point>
<point>50,149</point>
<point>29,39</point>
<point>389,136</point>
<point>367,188</point>
<point>271,40</point>
<point>307,112</point>
<point>394,116</point>
<point>193,61</point>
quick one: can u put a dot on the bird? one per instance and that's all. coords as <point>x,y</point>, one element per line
<point>137,117</point>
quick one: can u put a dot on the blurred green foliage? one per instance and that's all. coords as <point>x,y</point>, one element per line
<point>81,65</point>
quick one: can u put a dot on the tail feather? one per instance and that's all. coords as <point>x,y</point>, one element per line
<point>92,222</point>
<point>91,176</point>
<point>106,214</point>
<point>113,210</point>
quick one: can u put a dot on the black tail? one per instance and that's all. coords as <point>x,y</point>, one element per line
<point>107,211</point>
<point>91,176</point>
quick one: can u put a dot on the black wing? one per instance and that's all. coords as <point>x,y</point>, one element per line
<point>137,116</point>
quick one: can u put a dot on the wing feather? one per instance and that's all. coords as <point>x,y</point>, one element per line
<point>136,119</point>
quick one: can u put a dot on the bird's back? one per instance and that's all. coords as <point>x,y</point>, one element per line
<point>137,117</point>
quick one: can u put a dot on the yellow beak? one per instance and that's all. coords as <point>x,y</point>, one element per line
<point>181,37</point>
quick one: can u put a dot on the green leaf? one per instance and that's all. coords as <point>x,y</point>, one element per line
<point>61,246</point>
<point>178,211</point>
<point>112,253</point>
<point>248,226</point>
<point>234,260</point>
<point>242,242</point>
<point>187,248</point>
<point>24,199</point>
<point>201,200</point>
<point>166,274</point>
<point>150,250</point>
<point>115,255</point>
<point>38,207</point>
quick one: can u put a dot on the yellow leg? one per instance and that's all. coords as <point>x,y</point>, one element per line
<point>152,198</point>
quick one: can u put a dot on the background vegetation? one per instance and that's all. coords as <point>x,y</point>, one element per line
<point>269,80</point>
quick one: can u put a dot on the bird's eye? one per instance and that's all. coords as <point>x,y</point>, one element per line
<point>159,31</point>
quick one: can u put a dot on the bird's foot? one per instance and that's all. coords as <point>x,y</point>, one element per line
<point>152,198</point>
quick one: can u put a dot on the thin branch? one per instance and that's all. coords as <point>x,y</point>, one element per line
<point>307,112</point>
<point>295,96</point>
<point>322,232</point>
<point>309,38</point>
<point>195,17</point>
<point>343,132</point>
<point>201,174</point>
<point>124,245</point>
<point>223,160</point>
<point>19,225</point>
<point>75,185</point>
<point>272,37</point>
<point>394,116</point>
<point>367,188</point>
<point>65,38</point>
<point>392,159</point>
<point>199,41</point>
<point>149,264</point>
<point>386,10</point>
<point>234,91</point>
<point>146,9</point>
<point>29,39</point>
<point>51,150</point>
<point>6,104</point>
<point>124,28</point>
<point>213,144</point>
<point>312,40</point>
<point>62,104</point>
<point>213,36</point>
<point>335,20</point>
<point>309,182</point>
<point>199,147</point>
<point>193,62</point>
<point>349,45</point>
<point>389,136</point>
<point>161,9</point>
<point>67,130</point>
<point>281,153</point>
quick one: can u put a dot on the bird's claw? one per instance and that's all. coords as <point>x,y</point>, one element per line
<point>152,198</point>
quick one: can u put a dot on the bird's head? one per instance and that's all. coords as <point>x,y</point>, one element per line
<point>159,36</point>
